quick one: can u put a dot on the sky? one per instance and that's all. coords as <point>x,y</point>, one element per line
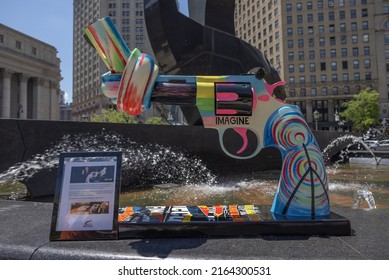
<point>50,21</point>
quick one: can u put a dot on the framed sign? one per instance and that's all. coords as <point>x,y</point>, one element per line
<point>86,198</point>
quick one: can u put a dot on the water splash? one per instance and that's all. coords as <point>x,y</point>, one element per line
<point>142,164</point>
<point>364,195</point>
<point>340,145</point>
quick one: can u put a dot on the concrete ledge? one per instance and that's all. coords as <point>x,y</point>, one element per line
<point>25,228</point>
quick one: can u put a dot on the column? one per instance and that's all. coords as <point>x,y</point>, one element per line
<point>6,95</point>
<point>309,111</point>
<point>23,96</point>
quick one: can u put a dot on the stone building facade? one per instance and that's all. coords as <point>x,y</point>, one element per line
<point>326,50</point>
<point>29,77</point>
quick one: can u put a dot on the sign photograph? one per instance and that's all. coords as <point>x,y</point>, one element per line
<point>87,196</point>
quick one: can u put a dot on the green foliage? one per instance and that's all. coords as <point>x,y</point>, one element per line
<point>363,109</point>
<point>113,116</point>
<point>155,120</point>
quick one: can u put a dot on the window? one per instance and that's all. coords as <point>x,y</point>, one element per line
<point>335,91</point>
<point>312,67</point>
<point>320,4</point>
<point>364,13</point>
<point>322,41</point>
<point>353,26</point>
<point>288,7</point>
<point>353,13</point>
<point>311,42</point>
<point>322,66</point>
<point>386,53</point>
<point>365,38</point>
<point>322,53</point>
<point>311,54</point>
<point>332,28</point>
<point>309,5</point>
<point>342,14</point>
<point>346,90</point>
<point>365,25</point>
<point>324,91</point>
<point>291,68</point>
<point>356,64</point>
<point>331,16</point>
<point>300,31</point>
<point>290,31</point>
<point>334,77</point>
<point>330,3</point>
<point>341,3</point>
<point>321,28</point>
<point>301,43</point>
<point>291,56</point>
<point>290,44</point>
<point>345,77</point>
<point>301,55</point>
<point>1,38</point>
<point>344,52</point>
<point>332,41</point>
<point>312,79</point>
<point>289,20</point>
<point>357,76</point>
<point>302,79</point>
<point>313,91</point>
<point>18,45</point>
<point>299,6</point>
<point>342,27</point>
<point>354,39</point>
<point>292,92</point>
<point>291,80</point>
<point>386,39</point>
<point>323,78</point>
<point>33,50</point>
<point>368,76</point>
<point>333,53</point>
<point>345,65</point>
<point>310,29</point>
<point>367,63</point>
<point>333,65</point>
<point>302,68</point>
<point>320,16</point>
<point>303,92</point>
<point>299,19</point>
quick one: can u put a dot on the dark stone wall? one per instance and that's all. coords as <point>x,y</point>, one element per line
<point>21,140</point>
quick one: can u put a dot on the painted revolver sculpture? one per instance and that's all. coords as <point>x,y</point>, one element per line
<point>240,102</point>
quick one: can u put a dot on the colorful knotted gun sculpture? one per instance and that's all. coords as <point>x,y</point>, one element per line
<point>240,102</point>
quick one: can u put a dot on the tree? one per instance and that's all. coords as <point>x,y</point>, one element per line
<point>113,116</point>
<point>155,120</point>
<point>363,109</point>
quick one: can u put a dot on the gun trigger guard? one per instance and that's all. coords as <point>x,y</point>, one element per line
<point>243,133</point>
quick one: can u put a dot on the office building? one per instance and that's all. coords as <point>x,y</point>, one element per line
<point>88,67</point>
<point>30,77</point>
<point>325,50</point>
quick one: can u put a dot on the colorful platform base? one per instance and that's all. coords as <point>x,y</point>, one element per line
<point>222,221</point>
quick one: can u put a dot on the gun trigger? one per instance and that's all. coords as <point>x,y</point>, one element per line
<point>243,133</point>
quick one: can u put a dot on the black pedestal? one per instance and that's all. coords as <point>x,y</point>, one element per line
<point>227,221</point>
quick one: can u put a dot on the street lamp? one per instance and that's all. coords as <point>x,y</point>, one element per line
<point>316,117</point>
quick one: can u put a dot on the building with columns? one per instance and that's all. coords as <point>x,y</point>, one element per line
<point>29,77</point>
<point>326,50</point>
